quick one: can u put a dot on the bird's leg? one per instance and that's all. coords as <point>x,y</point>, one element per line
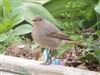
<point>49,58</point>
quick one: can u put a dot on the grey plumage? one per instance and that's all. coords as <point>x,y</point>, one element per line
<point>49,36</point>
<point>41,29</point>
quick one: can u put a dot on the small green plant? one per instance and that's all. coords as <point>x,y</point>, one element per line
<point>75,16</point>
<point>16,16</point>
<point>8,39</point>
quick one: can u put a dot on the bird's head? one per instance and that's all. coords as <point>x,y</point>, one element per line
<point>38,18</point>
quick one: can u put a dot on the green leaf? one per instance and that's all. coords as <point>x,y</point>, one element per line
<point>56,7</point>
<point>7,5</point>
<point>90,39</point>
<point>76,37</point>
<point>63,48</point>
<point>16,17</point>
<point>18,20</point>
<point>15,3</point>
<point>35,45</point>
<point>23,29</point>
<point>3,37</point>
<point>66,46</point>
<point>0,1</point>
<point>6,8</point>
<point>6,25</point>
<point>29,10</point>
<point>97,8</point>
<point>71,8</point>
<point>89,13</point>
<point>98,32</point>
<point>97,53</point>
<point>90,58</point>
<point>1,13</point>
<point>37,1</point>
<point>1,19</point>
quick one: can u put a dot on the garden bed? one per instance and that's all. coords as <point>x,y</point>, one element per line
<point>69,58</point>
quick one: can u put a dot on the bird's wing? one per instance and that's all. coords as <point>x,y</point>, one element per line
<point>59,36</point>
<point>66,38</point>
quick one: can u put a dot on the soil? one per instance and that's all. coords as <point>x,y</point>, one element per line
<point>23,51</point>
<point>70,58</point>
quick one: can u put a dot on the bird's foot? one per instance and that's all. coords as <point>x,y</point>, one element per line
<point>48,61</point>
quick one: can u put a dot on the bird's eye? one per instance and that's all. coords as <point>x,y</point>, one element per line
<point>37,19</point>
<point>40,19</point>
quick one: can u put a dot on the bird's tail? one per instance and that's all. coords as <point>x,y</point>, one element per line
<point>76,43</point>
<point>65,38</point>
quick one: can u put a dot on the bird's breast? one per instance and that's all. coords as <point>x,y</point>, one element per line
<point>40,37</point>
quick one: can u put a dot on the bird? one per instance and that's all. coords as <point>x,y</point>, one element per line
<point>47,35</point>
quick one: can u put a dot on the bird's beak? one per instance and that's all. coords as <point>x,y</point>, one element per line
<point>33,20</point>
